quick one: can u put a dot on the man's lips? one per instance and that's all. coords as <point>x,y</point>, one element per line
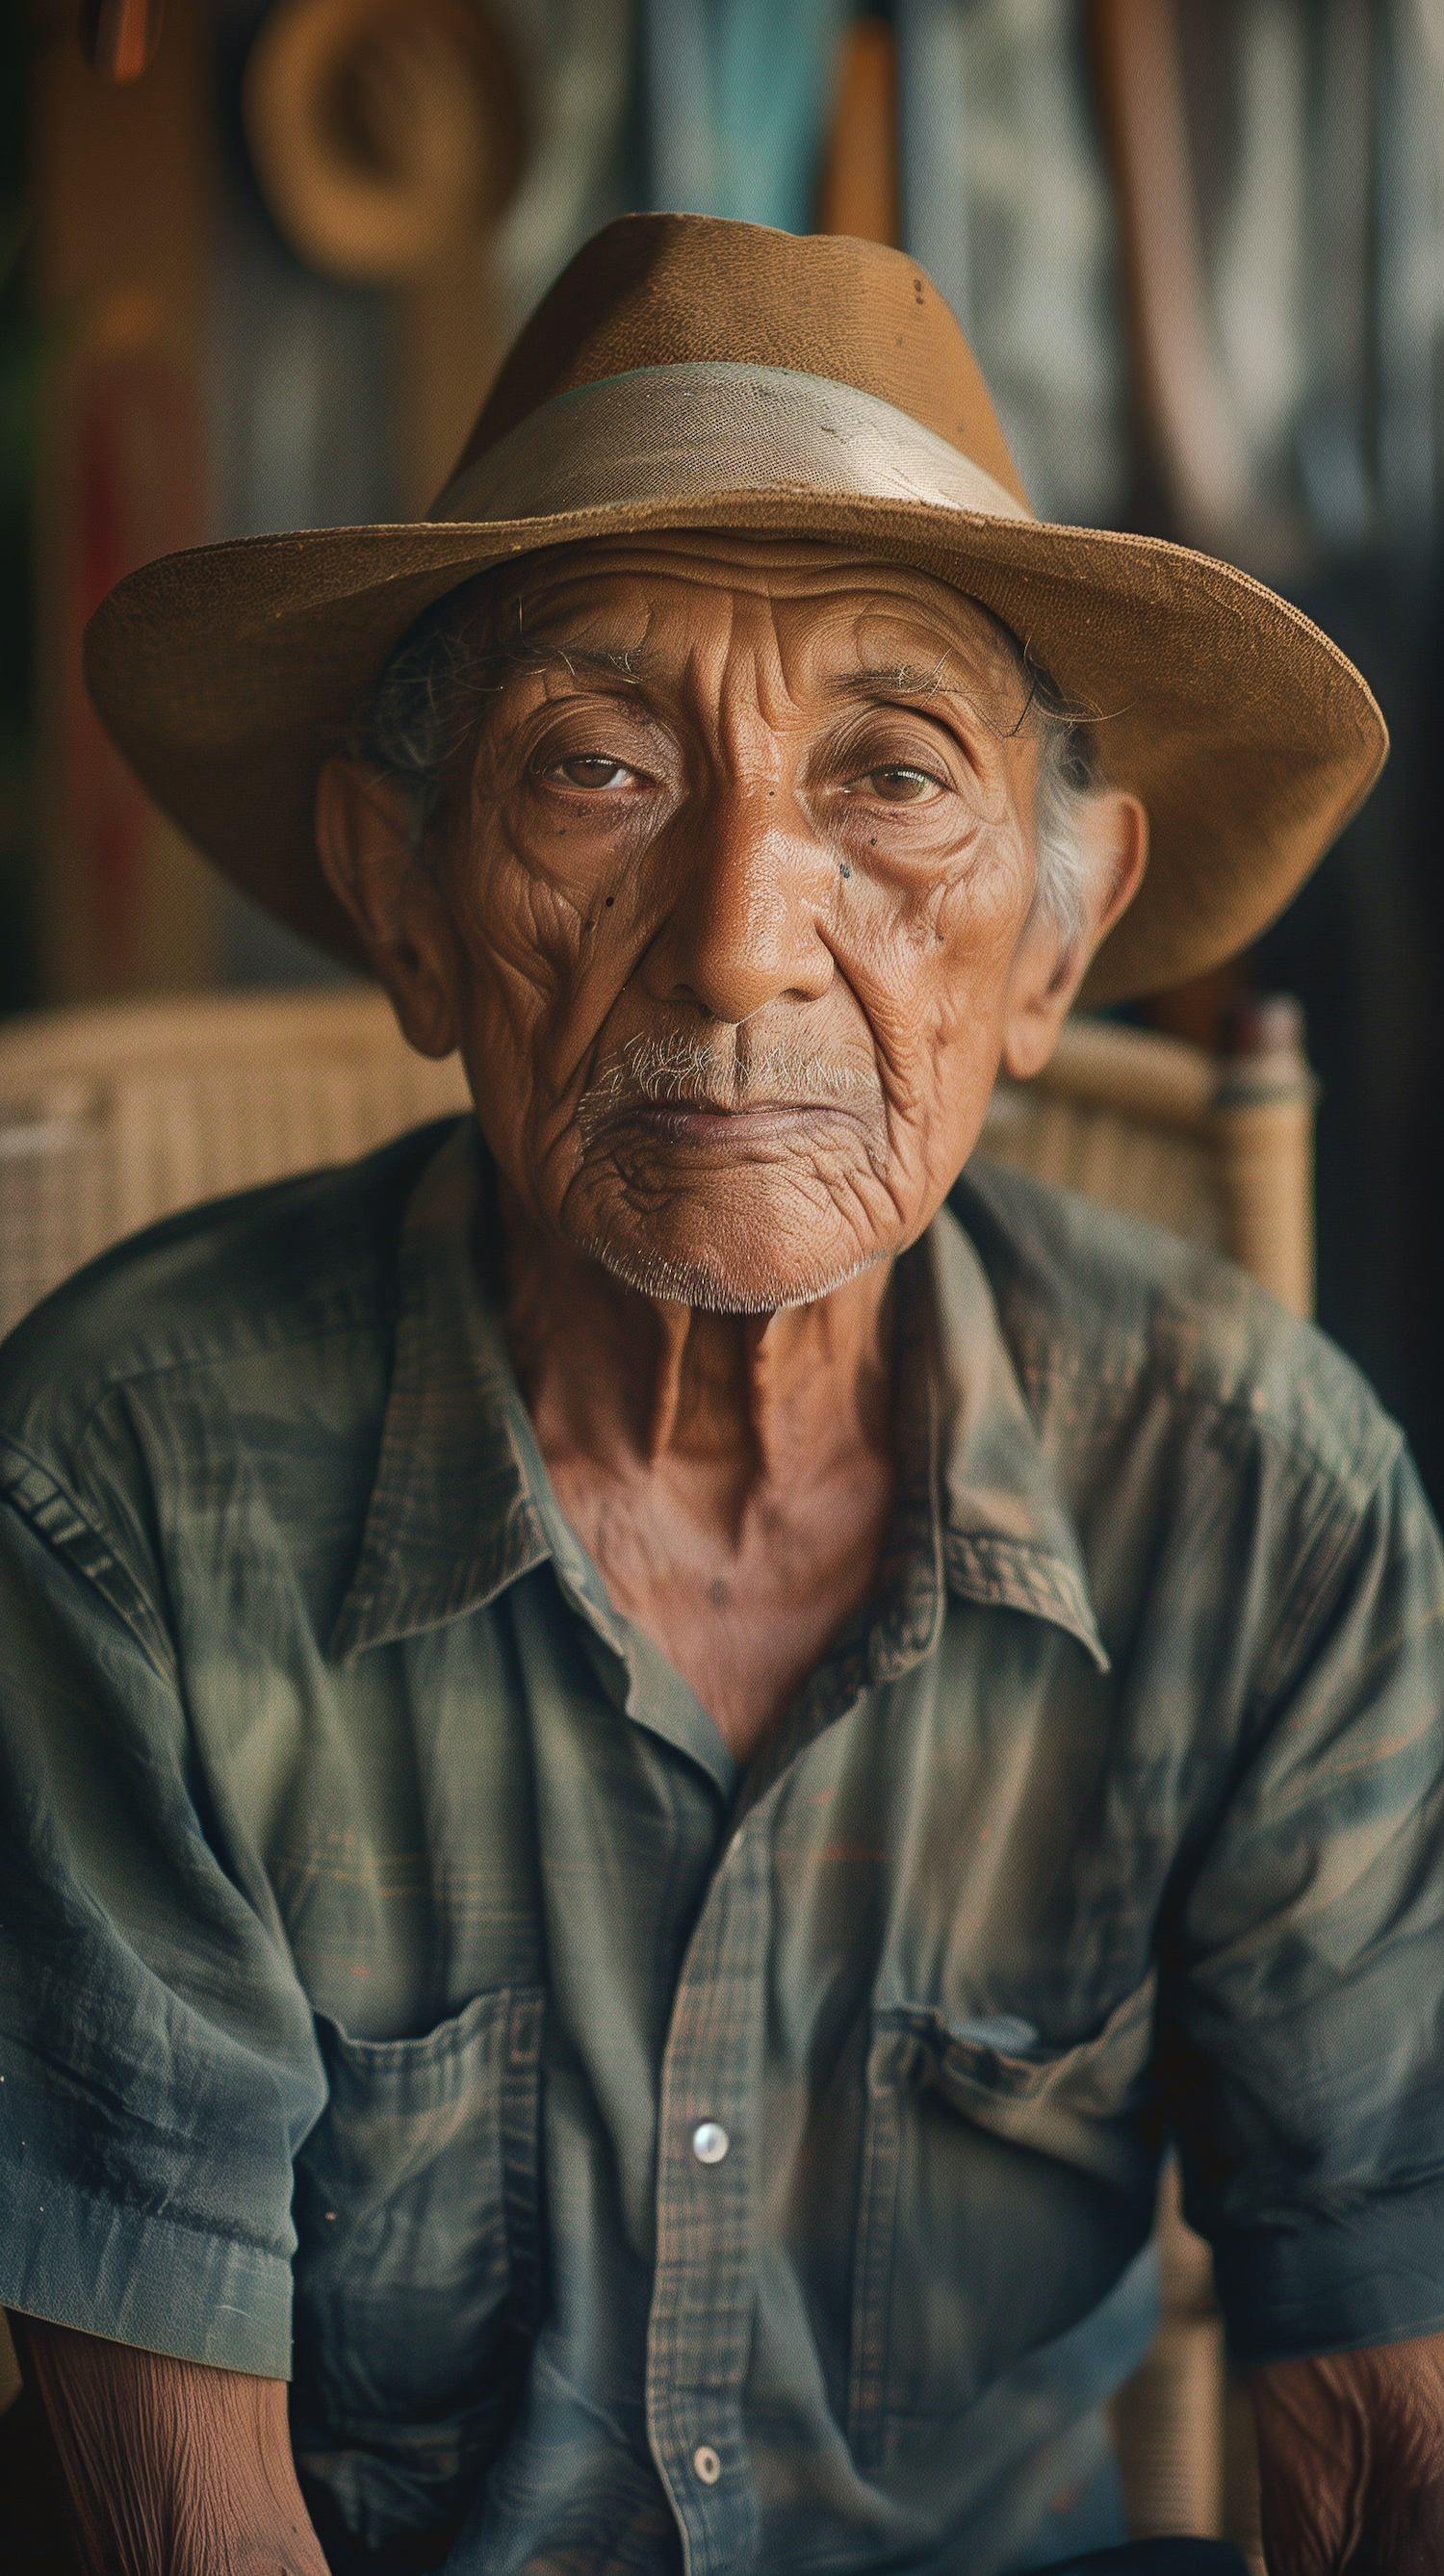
<point>710,1124</point>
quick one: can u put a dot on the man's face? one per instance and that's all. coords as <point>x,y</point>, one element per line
<point>739,896</point>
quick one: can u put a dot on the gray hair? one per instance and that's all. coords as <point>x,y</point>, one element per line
<point>1070,775</point>
<point>426,706</point>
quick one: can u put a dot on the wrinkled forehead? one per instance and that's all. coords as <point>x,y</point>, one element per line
<point>654,595</point>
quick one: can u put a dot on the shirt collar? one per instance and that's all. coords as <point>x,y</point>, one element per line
<point>460,1506</point>
<point>453,1516</point>
<point>1008,1537</point>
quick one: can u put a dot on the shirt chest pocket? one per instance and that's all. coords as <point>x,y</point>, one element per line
<point>417,2280</point>
<point>1004,2185</point>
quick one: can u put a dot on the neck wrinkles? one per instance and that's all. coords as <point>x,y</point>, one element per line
<point>632,1382</point>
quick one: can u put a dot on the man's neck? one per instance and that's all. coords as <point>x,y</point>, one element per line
<point>730,1475</point>
<point>633,1382</point>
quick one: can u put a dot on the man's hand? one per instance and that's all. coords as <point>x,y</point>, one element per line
<point>172,2469</point>
<point>1351,2461</point>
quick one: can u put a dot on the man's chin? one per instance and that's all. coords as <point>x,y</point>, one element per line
<point>715,1283</point>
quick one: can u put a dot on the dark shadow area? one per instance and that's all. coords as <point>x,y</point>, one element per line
<point>35,2541</point>
<point>1363,948</point>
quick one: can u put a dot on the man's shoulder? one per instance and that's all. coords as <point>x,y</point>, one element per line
<point>1110,1304</point>
<point>272,1271</point>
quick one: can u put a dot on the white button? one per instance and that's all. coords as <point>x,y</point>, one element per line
<point>710,2142</point>
<point>706,2464</point>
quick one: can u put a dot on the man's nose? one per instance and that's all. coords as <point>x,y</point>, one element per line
<point>744,926</point>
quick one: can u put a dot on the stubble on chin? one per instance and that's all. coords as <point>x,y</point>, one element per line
<point>779,1226</point>
<point>761,1241</point>
<point>712,1287</point>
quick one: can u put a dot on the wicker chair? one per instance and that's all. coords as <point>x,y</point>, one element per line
<point>113,1116</point>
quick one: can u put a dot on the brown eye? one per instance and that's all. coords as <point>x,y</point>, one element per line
<point>901,786</point>
<point>591,769</point>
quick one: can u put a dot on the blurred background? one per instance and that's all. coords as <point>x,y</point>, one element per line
<point>259,259</point>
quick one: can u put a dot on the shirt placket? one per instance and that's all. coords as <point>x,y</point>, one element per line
<point>700,2329</point>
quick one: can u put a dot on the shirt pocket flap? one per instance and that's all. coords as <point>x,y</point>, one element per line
<point>401,2112</point>
<point>1080,2101</point>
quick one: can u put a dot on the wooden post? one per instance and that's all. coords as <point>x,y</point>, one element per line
<point>1263,1119</point>
<point>120,253</point>
<point>859,189</point>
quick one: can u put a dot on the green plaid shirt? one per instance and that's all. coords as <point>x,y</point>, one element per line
<point>635,2160</point>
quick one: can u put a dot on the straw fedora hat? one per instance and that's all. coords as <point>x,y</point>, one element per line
<point>688,373</point>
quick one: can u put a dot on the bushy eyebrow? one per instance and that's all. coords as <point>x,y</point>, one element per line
<point>525,653</point>
<point>901,679</point>
<point>923,681</point>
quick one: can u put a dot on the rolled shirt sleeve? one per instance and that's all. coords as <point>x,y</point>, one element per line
<point>1305,1984</point>
<point>158,2064</point>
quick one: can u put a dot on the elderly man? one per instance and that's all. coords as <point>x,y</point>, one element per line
<point>653,1748</point>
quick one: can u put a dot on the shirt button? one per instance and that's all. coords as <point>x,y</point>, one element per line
<point>706,2464</point>
<point>710,2143</point>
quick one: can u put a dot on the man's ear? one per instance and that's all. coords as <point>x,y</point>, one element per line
<point>363,836</point>
<point>1046,974</point>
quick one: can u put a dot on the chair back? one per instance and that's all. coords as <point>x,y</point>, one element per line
<point>117,1114</point>
<point>1217,1148</point>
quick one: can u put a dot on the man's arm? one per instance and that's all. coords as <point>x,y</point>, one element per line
<point>1351,2461</point>
<point>172,2469</point>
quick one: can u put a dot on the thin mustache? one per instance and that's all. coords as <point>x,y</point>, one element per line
<point>654,1071</point>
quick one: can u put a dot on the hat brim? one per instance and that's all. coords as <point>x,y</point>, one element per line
<point>227,674</point>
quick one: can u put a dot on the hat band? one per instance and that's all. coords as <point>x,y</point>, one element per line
<point>694,433</point>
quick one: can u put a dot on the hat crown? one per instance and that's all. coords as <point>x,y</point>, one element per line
<point>680,290</point>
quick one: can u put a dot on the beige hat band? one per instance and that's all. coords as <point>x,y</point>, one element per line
<point>690,432</point>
